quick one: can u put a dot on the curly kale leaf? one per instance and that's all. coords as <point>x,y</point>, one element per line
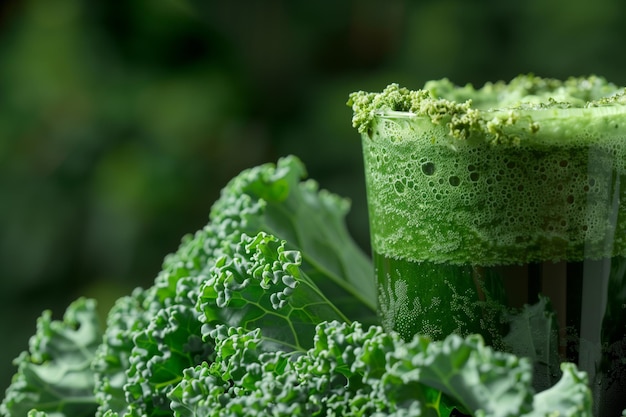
<point>170,343</point>
<point>54,376</point>
<point>269,198</point>
<point>477,377</point>
<point>260,285</point>
<point>357,371</point>
<point>274,199</point>
<point>256,283</point>
<point>542,347</point>
<point>570,396</point>
<point>126,318</point>
<point>251,317</point>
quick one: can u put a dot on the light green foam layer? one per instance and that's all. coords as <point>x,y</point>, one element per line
<point>552,188</point>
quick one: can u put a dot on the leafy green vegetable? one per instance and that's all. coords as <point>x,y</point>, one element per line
<point>264,312</point>
<point>55,375</point>
<point>273,200</point>
<point>542,347</point>
<point>260,285</point>
<point>356,371</point>
<point>156,333</point>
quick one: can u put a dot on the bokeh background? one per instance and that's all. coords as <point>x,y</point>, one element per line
<point>120,121</point>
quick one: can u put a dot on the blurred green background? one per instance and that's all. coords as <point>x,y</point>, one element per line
<point>120,121</point>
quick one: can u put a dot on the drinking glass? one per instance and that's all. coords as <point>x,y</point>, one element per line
<point>516,231</point>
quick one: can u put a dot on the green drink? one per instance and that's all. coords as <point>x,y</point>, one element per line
<point>502,211</point>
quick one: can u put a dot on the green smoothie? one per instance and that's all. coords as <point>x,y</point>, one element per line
<point>501,211</point>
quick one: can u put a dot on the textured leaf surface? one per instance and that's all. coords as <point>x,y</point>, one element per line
<point>55,375</point>
<point>356,371</point>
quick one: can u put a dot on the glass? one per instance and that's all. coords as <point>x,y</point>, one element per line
<point>521,240</point>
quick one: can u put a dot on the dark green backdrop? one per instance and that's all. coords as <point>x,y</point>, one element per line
<point>121,120</point>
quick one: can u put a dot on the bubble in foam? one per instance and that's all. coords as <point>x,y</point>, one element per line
<point>454,181</point>
<point>428,168</point>
<point>399,187</point>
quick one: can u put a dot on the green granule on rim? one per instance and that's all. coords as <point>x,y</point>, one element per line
<point>492,112</point>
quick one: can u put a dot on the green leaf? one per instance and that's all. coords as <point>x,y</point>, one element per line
<point>148,337</point>
<point>236,325</point>
<point>475,376</point>
<point>355,371</point>
<point>569,397</point>
<point>112,359</point>
<point>312,221</point>
<point>55,375</point>
<point>169,344</point>
<point>258,283</point>
<point>534,334</point>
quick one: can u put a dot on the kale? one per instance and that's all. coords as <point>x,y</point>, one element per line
<point>269,310</point>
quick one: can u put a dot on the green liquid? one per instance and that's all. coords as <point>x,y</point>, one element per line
<point>438,299</point>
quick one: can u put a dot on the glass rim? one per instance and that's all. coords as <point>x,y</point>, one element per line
<point>537,113</point>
